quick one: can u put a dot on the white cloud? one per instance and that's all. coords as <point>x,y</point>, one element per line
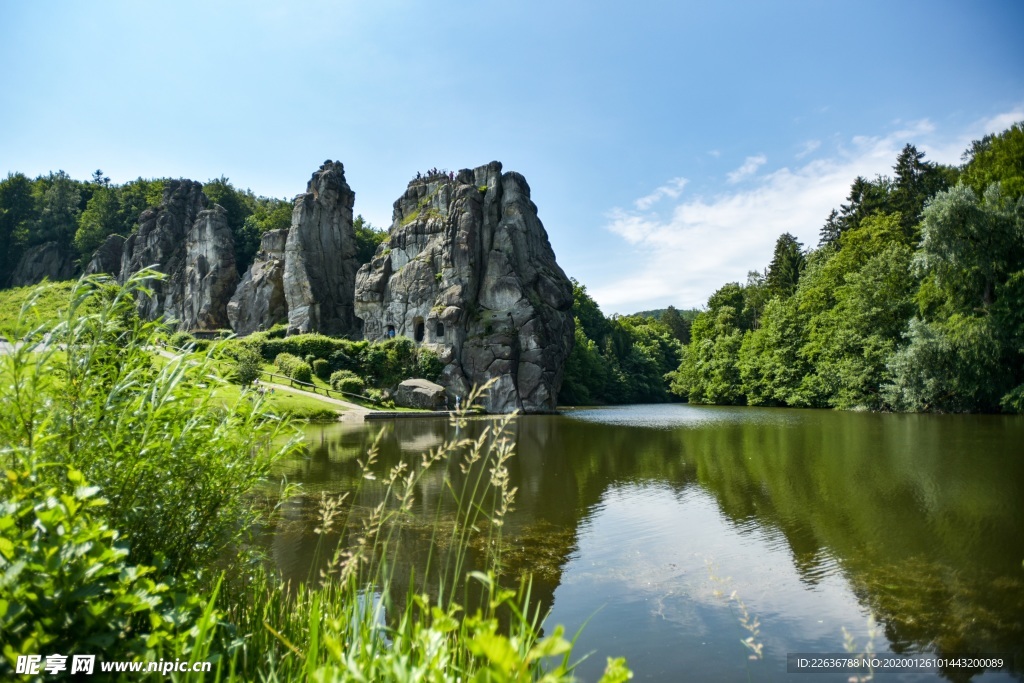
<point>703,242</point>
<point>749,167</point>
<point>807,148</point>
<point>672,188</point>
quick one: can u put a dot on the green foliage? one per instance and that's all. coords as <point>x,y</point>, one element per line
<point>428,365</point>
<point>175,465</point>
<point>294,367</point>
<point>66,583</point>
<point>997,158</point>
<point>321,368</point>
<point>618,360</point>
<point>787,264</point>
<point>368,238</point>
<point>348,382</point>
<point>269,345</point>
<point>246,366</point>
<point>24,309</point>
<point>387,363</point>
<point>98,221</point>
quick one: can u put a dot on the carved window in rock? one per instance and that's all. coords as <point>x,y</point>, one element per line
<point>417,330</point>
<point>439,330</point>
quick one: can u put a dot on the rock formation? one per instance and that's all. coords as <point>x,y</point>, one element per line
<point>191,243</point>
<point>41,262</point>
<point>320,256</point>
<point>259,302</point>
<point>420,393</point>
<point>107,258</point>
<point>468,271</point>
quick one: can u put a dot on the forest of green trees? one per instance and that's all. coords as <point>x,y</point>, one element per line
<point>79,215</point>
<point>913,300</point>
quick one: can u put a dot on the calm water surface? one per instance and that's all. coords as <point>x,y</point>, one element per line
<point>642,521</point>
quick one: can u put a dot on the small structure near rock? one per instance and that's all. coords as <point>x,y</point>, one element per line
<point>420,393</point>
<point>468,272</point>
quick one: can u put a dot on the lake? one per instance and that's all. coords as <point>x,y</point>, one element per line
<point>674,532</point>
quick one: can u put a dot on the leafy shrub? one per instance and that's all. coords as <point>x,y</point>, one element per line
<point>67,583</point>
<point>181,340</point>
<point>246,366</point>
<point>321,368</point>
<point>347,381</point>
<point>388,362</point>
<point>294,367</point>
<point>428,365</point>
<point>302,345</point>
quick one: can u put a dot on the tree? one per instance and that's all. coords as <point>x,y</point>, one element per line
<point>58,197</point>
<point>17,213</point>
<point>368,238</point>
<point>997,158</point>
<point>970,246</point>
<point>787,264</point>
<point>99,220</point>
<point>916,180</point>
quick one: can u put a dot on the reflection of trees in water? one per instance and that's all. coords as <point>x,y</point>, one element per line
<point>919,512</point>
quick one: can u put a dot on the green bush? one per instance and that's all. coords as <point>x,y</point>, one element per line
<point>294,367</point>
<point>428,365</point>
<point>181,340</point>
<point>388,362</point>
<point>67,584</point>
<point>246,366</point>
<point>321,368</point>
<point>347,381</point>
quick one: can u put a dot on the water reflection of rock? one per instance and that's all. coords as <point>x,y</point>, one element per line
<point>920,514</point>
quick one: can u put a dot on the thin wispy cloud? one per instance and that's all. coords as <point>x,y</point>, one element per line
<point>694,247</point>
<point>749,168</point>
<point>807,148</point>
<point>673,188</point>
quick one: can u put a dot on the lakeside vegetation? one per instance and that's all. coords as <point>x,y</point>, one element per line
<point>129,504</point>
<point>912,300</point>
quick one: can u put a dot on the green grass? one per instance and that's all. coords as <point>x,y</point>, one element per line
<point>50,299</point>
<point>283,403</point>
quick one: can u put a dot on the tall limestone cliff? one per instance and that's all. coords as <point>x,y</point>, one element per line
<point>468,271</point>
<point>320,256</point>
<point>259,302</point>
<point>189,241</point>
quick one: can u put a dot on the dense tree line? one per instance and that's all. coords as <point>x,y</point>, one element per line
<point>79,215</point>
<point>913,299</point>
<point>622,359</point>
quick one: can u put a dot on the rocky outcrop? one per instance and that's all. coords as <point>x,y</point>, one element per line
<point>420,393</point>
<point>259,301</point>
<point>320,256</point>
<point>107,259</point>
<point>468,272</point>
<point>45,261</point>
<point>190,242</point>
<point>210,273</point>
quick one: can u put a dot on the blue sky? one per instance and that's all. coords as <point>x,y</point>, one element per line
<point>667,144</point>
